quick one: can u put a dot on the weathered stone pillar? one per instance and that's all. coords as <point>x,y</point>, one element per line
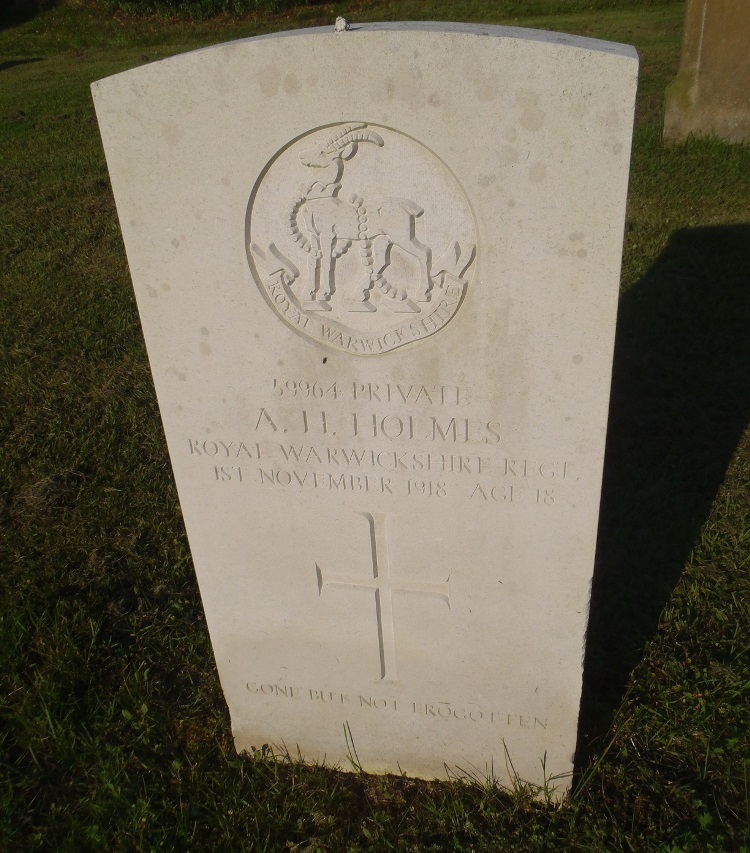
<point>711,93</point>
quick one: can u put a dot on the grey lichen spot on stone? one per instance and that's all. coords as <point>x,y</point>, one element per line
<point>221,81</point>
<point>486,86</point>
<point>531,116</point>
<point>172,133</point>
<point>537,172</point>
<point>611,120</point>
<point>578,110</point>
<point>291,84</point>
<point>508,154</point>
<point>269,80</point>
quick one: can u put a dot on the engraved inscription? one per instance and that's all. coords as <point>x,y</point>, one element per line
<point>462,712</point>
<point>474,477</point>
<point>343,255</point>
<point>432,395</point>
<point>374,425</point>
<point>383,586</point>
<point>354,438</point>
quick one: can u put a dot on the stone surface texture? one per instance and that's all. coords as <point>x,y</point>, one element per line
<point>377,272</point>
<point>711,94</point>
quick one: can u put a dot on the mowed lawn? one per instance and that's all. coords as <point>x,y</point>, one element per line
<point>114,733</point>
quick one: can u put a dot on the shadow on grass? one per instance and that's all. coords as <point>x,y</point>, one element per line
<point>13,13</point>
<point>11,63</point>
<point>680,402</point>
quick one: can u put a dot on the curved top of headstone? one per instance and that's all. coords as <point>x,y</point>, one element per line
<point>435,27</point>
<point>480,30</point>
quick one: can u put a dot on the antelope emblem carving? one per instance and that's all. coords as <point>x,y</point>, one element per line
<point>325,226</point>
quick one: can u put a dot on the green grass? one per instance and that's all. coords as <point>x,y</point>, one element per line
<point>114,733</point>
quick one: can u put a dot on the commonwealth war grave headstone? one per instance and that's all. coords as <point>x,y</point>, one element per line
<point>711,92</point>
<point>377,272</point>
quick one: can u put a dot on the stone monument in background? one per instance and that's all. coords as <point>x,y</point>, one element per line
<point>377,271</point>
<point>711,94</point>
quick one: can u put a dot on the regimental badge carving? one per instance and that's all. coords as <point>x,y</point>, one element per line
<point>360,238</point>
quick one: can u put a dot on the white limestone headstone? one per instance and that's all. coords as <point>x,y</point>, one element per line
<point>377,271</point>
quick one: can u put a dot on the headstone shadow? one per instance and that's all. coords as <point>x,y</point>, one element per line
<point>680,402</point>
<point>11,63</point>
